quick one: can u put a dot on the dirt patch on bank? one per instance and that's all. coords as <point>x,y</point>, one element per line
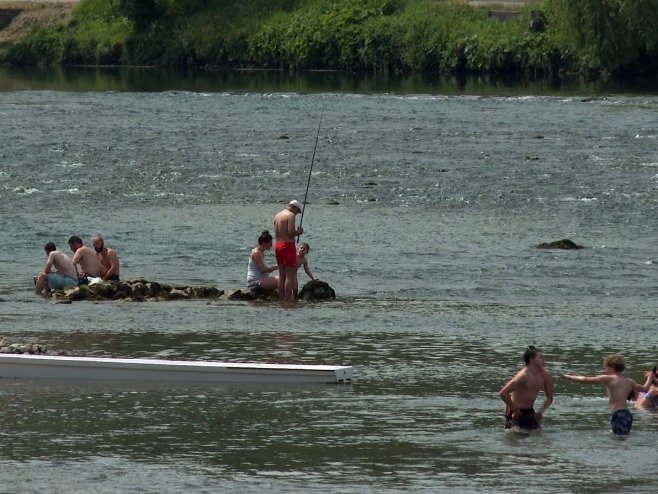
<point>33,15</point>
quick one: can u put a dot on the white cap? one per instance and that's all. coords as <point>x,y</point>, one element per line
<point>297,204</point>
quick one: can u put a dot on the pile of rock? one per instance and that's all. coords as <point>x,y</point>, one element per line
<point>20,348</point>
<point>141,290</point>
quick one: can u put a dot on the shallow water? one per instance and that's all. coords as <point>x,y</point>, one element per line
<point>424,212</point>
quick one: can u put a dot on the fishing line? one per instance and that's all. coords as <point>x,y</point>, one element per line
<point>308,183</point>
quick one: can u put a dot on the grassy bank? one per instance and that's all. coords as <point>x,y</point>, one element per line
<point>391,36</point>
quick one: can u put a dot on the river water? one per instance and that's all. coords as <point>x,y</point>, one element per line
<point>424,209</point>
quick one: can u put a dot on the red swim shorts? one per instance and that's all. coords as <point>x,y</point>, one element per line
<point>285,254</point>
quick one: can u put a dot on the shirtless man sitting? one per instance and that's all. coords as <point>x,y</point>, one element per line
<point>284,250</point>
<point>107,258</point>
<point>620,388</point>
<point>64,276</point>
<point>520,392</point>
<point>86,258</point>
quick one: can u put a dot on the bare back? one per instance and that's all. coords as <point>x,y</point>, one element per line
<point>284,226</point>
<point>619,388</point>
<point>86,258</point>
<point>62,264</point>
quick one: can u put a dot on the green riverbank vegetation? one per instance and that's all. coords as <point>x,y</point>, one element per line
<point>595,37</point>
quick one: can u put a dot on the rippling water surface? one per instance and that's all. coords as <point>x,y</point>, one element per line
<point>424,212</point>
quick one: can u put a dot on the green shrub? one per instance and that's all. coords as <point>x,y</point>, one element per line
<point>42,47</point>
<point>389,36</point>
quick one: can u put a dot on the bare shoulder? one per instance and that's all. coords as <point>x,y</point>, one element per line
<point>520,376</point>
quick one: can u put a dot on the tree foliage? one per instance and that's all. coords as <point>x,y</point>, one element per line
<point>429,36</point>
<point>609,35</point>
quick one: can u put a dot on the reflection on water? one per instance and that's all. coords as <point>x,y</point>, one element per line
<point>149,79</point>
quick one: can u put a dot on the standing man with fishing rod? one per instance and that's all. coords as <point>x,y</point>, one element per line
<point>285,233</point>
<point>285,250</point>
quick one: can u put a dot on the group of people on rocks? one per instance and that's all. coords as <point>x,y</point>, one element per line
<point>289,258</point>
<point>102,263</point>
<point>520,392</point>
<point>86,265</point>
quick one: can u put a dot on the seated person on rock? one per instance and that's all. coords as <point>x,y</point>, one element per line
<point>107,258</point>
<point>86,257</point>
<point>257,270</point>
<point>65,275</point>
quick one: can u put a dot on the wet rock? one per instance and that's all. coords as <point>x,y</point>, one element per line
<point>237,294</point>
<point>21,348</point>
<point>154,288</point>
<point>206,292</point>
<point>259,293</point>
<point>565,244</point>
<point>178,294</point>
<point>141,290</point>
<point>316,290</point>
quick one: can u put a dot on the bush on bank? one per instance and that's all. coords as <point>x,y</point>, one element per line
<point>390,36</point>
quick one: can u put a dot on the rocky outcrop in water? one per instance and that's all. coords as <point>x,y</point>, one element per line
<point>316,290</point>
<point>141,290</point>
<point>560,244</point>
<point>20,348</point>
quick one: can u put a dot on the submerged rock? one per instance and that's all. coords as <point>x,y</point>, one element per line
<point>560,244</point>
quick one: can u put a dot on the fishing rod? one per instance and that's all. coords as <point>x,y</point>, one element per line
<point>308,183</point>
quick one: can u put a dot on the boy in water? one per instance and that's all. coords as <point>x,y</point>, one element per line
<point>520,392</point>
<point>620,388</point>
<point>302,251</point>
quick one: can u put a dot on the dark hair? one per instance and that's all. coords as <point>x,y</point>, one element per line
<point>49,247</point>
<point>75,239</point>
<point>264,237</point>
<point>308,247</point>
<point>530,353</point>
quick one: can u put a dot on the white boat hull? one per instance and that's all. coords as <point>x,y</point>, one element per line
<point>157,370</point>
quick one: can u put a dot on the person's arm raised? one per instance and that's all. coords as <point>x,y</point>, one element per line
<point>588,379</point>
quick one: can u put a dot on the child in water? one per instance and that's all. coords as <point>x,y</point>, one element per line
<point>620,388</point>
<point>302,251</point>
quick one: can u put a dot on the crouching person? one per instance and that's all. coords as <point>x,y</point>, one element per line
<point>64,276</point>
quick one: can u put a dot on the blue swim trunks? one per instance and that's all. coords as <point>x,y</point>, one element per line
<point>621,422</point>
<point>59,282</point>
